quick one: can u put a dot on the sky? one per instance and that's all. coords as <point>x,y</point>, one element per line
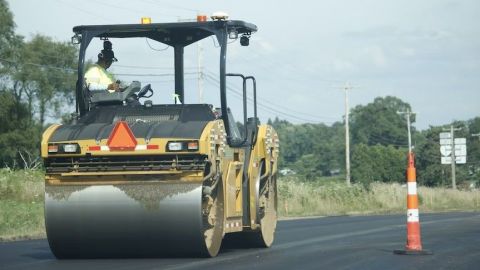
<point>426,53</point>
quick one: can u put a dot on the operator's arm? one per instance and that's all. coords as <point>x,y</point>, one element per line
<point>113,87</point>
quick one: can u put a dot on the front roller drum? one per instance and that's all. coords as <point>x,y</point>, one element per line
<point>148,219</point>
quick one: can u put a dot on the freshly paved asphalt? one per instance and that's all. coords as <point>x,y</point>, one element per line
<point>363,242</point>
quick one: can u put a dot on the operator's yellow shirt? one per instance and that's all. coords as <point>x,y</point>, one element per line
<point>97,78</point>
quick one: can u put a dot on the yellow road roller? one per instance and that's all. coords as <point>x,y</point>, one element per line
<point>129,178</point>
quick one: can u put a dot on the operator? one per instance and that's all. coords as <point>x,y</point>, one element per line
<point>97,77</point>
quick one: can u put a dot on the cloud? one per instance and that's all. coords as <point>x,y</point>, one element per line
<point>375,55</point>
<point>407,51</point>
<point>383,31</point>
<point>357,60</point>
<point>342,65</point>
<point>265,46</point>
<point>392,32</point>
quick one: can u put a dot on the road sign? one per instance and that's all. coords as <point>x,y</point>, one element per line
<point>445,141</point>
<point>458,141</point>
<point>458,160</point>
<point>446,149</point>
<point>460,150</point>
<point>445,135</point>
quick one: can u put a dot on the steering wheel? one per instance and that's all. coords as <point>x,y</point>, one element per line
<point>144,91</point>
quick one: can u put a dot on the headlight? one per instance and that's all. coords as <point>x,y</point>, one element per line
<point>182,146</point>
<point>70,148</point>
<point>175,146</point>
<point>64,148</point>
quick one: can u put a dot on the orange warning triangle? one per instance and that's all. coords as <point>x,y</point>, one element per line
<point>121,138</point>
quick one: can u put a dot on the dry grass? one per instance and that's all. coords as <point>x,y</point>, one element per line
<point>298,198</point>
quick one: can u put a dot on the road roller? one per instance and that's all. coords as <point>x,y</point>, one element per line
<point>130,178</point>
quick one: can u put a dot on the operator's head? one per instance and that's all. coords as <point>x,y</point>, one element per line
<point>106,56</point>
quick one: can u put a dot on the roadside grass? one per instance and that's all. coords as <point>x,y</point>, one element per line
<point>22,196</point>
<point>21,204</point>
<point>326,197</point>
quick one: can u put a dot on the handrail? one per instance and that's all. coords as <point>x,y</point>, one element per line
<point>244,108</point>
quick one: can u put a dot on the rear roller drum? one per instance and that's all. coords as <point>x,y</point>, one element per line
<point>267,212</point>
<point>266,191</point>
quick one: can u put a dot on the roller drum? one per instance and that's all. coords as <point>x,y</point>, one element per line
<point>125,220</point>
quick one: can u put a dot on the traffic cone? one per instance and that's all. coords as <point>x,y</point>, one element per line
<point>414,242</point>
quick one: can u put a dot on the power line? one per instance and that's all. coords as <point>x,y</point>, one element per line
<point>166,81</point>
<point>260,105</point>
<point>63,56</point>
<point>171,5</point>
<point>75,71</point>
<point>130,9</point>
<point>212,75</point>
<point>285,65</point>
<point>384,140</point>
<point>239,95</point>
<point>152,75</point>
<point>288,108</point>
<point>38,65</point>
<point>150,67</point>
<point>88,12</point>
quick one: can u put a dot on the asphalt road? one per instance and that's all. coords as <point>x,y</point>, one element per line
<point>364,242</point>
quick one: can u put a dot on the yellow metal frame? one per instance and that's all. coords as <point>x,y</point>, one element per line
<point>212,143</point>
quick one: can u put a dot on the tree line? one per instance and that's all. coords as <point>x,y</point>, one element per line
<point>379,147</point>
<point>37,79</point>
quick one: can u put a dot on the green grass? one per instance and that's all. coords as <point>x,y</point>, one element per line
<point>22,195</point>
<point>21,204</point>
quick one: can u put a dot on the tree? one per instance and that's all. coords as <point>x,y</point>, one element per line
<point>379,122</point>
<point>8,43</point>
<point>37,80</point>
<point>378,163</point>
<point>18,139</point>
<point>48,75</point>
<point>7,26</point>
<point>473,153</point>
<point>310,149</point>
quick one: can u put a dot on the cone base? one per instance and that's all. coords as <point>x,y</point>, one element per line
<point>412,252</point>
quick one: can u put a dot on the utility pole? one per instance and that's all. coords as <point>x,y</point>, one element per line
<point>347,134</point>
<point>408,113</point>
<point>452,154</point>
<point>200,77</point>
<point>200,71</point>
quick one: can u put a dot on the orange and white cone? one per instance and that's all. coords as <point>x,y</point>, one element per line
<point>414,242</point>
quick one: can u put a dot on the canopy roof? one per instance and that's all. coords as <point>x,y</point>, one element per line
<point>181,33</point>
